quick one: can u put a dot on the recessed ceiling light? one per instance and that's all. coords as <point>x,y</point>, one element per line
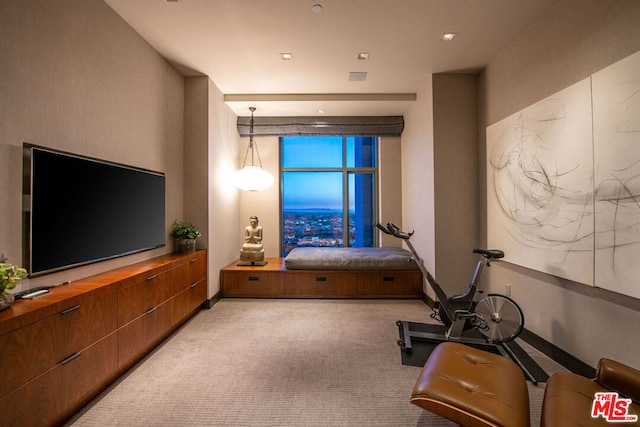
<point>447,37</point>
<point>286,56</point>
<point>317,8</point>
<point>363,56</point>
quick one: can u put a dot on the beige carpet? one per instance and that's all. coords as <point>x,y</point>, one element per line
<point>279,363</point>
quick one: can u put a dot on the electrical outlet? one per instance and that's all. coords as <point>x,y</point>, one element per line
<point>508,289</point>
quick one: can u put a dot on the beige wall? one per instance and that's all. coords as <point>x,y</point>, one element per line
<point>77,78</point>
<point>455,124</point>
<point>390,187</point>
<point>224,199</point>
<point>263,204</point>
<point>570,42</point>
<point>440,178</point>
<point>211,151</point>
<point>418,211</point>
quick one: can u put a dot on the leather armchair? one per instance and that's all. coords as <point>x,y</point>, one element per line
<point>568,398</point>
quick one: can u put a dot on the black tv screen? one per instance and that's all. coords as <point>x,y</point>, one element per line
<point>82,210</point>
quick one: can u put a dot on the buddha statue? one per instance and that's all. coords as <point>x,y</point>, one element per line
<point>252,251</point>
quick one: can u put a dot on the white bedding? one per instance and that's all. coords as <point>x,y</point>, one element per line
<point>304,258</point>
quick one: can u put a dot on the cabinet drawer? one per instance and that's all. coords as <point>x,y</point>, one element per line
<point>252,283</point>
<point>37,347</point>
<point>190,299</point>
<point>54,396</point>
<point>138,337</point>
<point>316,284</point>
<point>196,268</point>
<point>391,284</point>
<point>136,299</point>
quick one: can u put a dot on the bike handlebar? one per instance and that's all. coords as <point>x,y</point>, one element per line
<point>395,231</point>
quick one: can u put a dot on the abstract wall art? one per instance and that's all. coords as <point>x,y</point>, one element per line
<point>616,136</point>
<point>563,182</point>
<point>540,185</point>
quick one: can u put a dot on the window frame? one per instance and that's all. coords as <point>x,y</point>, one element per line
<point>346,172</point>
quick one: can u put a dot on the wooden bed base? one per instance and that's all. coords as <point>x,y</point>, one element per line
<point>275,281</point>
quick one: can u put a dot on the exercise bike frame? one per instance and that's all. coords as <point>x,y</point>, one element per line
<point>455,311</point>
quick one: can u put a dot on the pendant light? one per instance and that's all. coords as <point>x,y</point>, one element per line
<point>252,177</point>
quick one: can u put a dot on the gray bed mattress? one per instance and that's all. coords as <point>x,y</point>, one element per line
<point>303,258</point>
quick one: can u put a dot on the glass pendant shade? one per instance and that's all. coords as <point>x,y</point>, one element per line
<point>252,177</point>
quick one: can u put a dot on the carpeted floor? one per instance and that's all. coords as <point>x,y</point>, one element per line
<point>279,363</point>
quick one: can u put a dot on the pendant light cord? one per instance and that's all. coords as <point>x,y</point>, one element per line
<point>253,146</point>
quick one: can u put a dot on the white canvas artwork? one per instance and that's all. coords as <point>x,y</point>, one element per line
<point>540,185</point>
<point>616,133</point>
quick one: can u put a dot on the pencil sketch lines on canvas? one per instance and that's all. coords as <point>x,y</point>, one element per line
<point>540,195</point>
<point>616,117</point>
<point>533,192</point>
<point>563,178</point>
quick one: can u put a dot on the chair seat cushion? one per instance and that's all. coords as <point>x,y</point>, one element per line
<point>472,387</point>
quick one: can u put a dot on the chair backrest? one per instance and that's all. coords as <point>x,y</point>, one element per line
<point>620,378</point>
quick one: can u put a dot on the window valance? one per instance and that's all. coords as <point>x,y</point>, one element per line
<point>310,126</point>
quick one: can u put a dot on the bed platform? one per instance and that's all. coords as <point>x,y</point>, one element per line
<point>328,273</point>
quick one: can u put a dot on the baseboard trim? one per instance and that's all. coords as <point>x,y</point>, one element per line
<point>209,303</point>
<point>567,360</point>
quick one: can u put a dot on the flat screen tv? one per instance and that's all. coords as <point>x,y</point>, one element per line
<point>80,210</point>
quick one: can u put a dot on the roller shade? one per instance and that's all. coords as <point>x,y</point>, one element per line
<point>309,126</point>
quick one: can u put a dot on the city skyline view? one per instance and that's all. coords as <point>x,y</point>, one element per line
<point>314,186</point>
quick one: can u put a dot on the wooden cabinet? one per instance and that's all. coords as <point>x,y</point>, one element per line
<point>37,347</point>
<point>253,281</point>
<point>307,284</point>
<point>190,299</point>
<point>149,291</point>
<point>274,281</point>
<point>57,394</point>
<point>62,349</point>
<point>140,336</point>
<point>192,289</point>
<point>196,269</point>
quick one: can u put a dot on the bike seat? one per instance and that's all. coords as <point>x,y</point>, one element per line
<point>490,253</point>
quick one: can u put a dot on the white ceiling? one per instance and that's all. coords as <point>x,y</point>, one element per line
<point>237,43</point>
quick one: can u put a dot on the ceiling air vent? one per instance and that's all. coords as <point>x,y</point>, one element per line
<point>356,76</point>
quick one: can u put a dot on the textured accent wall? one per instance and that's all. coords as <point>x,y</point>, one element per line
<point>77,78</point>
<point>455,141</point>
<point>568,43</point>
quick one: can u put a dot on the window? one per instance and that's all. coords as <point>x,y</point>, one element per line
<point>327,182</point>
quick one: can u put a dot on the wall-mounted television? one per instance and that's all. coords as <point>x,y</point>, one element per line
<point>80,210</point>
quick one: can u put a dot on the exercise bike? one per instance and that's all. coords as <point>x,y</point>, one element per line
<point>497,318</point>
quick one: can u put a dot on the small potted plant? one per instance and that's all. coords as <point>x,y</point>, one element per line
<point>184,236</point>
<point>10,276</point>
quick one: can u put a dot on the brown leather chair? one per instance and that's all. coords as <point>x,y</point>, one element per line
<point>568,398</point>
<point>475,388</point>
<point>472,387</point>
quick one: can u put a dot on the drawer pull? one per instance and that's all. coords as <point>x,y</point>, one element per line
<point>70,309</point>
<point>194,285</point>
<point>193,260</point>
<point>388,279</point>
<point>70,358</point>
<point>152,277</point>
<point>254,278</point>
<point>321,279</point>
<point>151,310</point>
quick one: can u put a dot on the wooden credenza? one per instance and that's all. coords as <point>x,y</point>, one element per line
<point>60,350</point>
<point>275,281</point>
